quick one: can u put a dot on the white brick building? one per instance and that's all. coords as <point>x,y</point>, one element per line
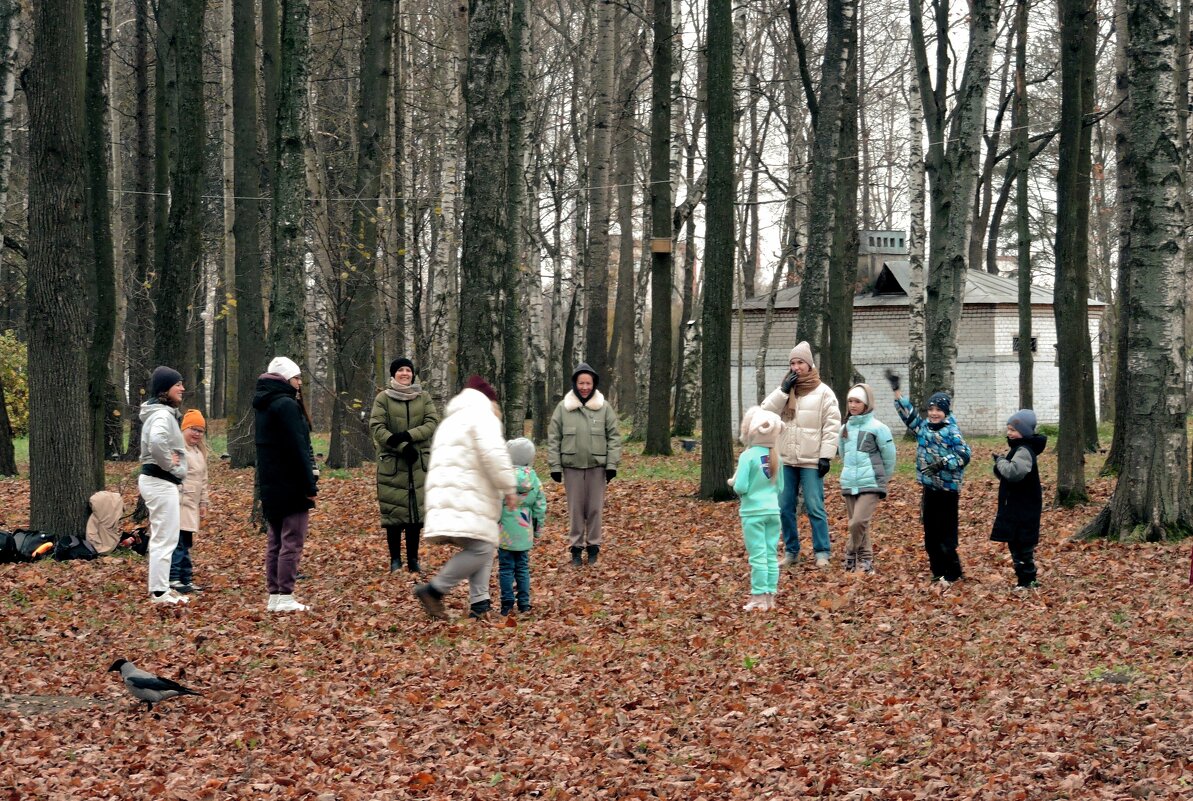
<point>987,389</point>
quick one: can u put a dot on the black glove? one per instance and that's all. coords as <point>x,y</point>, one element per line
<point>610,474</point>
<point>788,382</point>
<point>409,453</point>
<point>892,379</point>
<point>395,440</point>
<point>536,528</point>
<point>822,467</point>
<point>556,475</point>
<point>933,467</point>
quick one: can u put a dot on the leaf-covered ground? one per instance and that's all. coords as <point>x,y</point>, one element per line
<point>639,678</point>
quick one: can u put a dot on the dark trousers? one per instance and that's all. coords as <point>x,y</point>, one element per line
<point>1024,559</point>
<point>286,538</point>
<point>514,568</point>
<point>393,537</point>
<point>181,568</point>
<point>938,511</point>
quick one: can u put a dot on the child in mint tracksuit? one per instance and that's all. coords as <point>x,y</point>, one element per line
<point>520,528</point>
<point>758,482</point>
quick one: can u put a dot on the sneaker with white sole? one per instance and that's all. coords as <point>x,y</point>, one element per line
<point>756,602</point>
<point>182,599</point>
<point>789,560</point>
<point>822,561</point>
<point>286,603</point>
<point>273,602</point>
<point>167,598</point>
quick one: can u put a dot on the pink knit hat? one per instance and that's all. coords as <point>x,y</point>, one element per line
<point>760,427</point>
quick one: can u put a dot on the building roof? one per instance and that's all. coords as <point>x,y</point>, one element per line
<point>890,289</point>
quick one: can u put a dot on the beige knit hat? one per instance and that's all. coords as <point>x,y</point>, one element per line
<point>803,352</point>
<point>760,427</point>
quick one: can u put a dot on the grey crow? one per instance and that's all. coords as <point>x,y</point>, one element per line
<point>147,687</point>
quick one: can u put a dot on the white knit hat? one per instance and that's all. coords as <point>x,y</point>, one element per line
<point>857,393</point>
<point>284,367</point>
<point>760,427</point>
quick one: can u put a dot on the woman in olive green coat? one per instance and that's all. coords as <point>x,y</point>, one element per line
<point>583,451</point>
<point>403,421</point>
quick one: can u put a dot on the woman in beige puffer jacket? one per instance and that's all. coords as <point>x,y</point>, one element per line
<point>809,408</point>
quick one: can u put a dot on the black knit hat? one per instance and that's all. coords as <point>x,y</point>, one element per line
<point>941,401</point>
<point>401,361</point>
<point>162,379</point>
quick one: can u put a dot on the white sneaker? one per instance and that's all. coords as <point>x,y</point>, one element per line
<point>182,599</point>
<point>273,602</point>
<point>166,598</point>
<point>822,561</point>
<point>755,602</point>
<point>768,601</point>
<point>286,603</point>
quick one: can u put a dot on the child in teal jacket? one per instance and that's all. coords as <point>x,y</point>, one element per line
<point>520,528</point>
<point>867,462</point>
<point>758,482</point>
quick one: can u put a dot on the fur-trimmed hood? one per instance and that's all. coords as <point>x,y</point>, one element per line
<point>572,403</point>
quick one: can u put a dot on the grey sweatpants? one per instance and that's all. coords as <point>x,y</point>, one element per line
<point>860,509</point>
<point>474,562</point>
<point>586,498</point>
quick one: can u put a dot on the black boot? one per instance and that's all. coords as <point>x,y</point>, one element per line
<point>593,552</point>
<point>576,560</point>
<point>412,533</point>
<point>393,538</point>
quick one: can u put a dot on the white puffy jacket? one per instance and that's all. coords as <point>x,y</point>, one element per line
<point>470,472</point>
<point>812,433</point>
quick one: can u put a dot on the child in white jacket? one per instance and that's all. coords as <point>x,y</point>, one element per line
<point>192,503</point>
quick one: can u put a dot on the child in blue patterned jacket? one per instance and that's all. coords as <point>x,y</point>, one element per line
<point>520,528</point>
<point>941,455</point>
<point>758,481</point>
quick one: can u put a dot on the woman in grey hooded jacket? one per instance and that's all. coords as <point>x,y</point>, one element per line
<point>163,467</point>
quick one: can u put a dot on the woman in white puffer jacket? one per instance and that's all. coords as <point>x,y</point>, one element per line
<point>809,408</point>
<point>469,473</point>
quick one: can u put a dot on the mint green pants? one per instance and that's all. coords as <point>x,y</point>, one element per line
<point>761,533</point>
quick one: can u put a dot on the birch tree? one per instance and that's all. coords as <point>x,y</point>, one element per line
<point>1151,500</point>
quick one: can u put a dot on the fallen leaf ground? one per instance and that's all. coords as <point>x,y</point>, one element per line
<point>639,678</point>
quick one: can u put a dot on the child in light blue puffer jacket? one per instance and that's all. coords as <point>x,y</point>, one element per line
<point>867,463</point>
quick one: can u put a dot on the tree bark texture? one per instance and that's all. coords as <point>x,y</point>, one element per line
<point>249,356</point>
<point>1021,162</point>
<point>1151,500</point>
<point>1078,40</point>
<point>101,291</point>
<point>485,251</point>
<point>179,270</point>
<point>658,422</point>
<point>915,241</point>
<point>10,25</point>
<point>514,296</point>
<point>951,163</point>
<point>813,292</point>
<point>59,318</point>
<point>356,358</point>
<point>596,280</point>
<point>287,306</point>
<point>716,452</point>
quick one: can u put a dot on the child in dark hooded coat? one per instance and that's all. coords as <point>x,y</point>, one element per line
<point>1020,497</point>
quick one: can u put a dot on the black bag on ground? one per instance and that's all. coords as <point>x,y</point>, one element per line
<point>8,548</point>
<point>70,546</point>
<point>31,545</point>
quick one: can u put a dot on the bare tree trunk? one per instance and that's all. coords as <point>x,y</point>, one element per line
<point>485,249</point>
<point>140,309</point>
<point>287,307</point>
<point>952,173</point>
<point>513,370</point>
<point>102,293</point>
<point>642,334</point>
<point>596,279</point>
<point>228,381</point>
<point>915,242</point>
<point>59,317</point>
<point>716,452</point>
<point>658,424</point>
<point>813,295</point>
<point>1151,500</point>
<point>1021,162</point>
<point>356,358</point>
<point>10,18</point>
<point>249,357</point>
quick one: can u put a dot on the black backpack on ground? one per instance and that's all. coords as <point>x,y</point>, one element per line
<point>8,548</point>
<point>70,546</point>
<point>30,545</point>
